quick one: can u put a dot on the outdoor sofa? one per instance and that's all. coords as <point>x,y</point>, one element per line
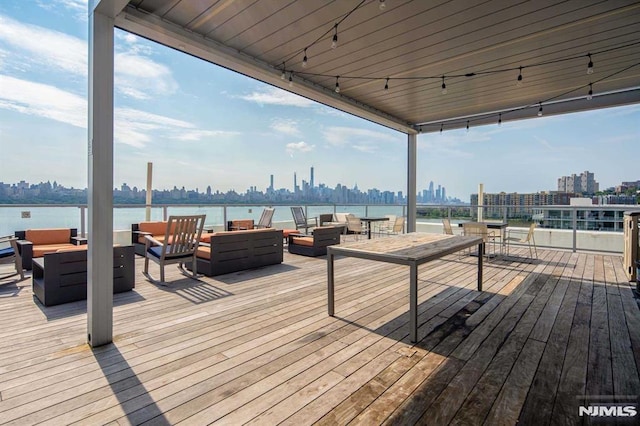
<point>61,277</point>
<point>231,251</point>
<point>34,243</point>
<point>316,244</point>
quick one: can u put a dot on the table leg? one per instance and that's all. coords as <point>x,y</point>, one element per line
<point>413,302</point>
<point>480,250</point>
<point>369,229</point>
<point>330,283</point>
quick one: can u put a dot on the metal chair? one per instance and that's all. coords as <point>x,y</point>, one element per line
<point>266,218</point>
<point>480,230</point>
<point>523,237</point>
<point>354,227</point>
<point>180,245</point>
<point>446,227</point>
<point>11,253</point>
<point>301,221</point>
<point>397,227</point>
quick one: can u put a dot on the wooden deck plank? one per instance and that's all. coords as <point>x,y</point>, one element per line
<point>259,347</point>
<point>545,383</point>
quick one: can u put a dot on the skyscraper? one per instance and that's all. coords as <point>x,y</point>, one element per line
<point>271,183</point>
<point>311,180</point>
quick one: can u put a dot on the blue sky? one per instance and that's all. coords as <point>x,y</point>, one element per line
<point>203,125</point>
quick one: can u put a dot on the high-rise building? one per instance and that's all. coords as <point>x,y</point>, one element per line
<point>584,183</point>
<point>311,180</point>
<point>431,194</point>
<point>295,182</point>
<point>271,183</point>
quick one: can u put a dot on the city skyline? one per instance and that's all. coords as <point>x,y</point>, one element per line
<point>201,124</point>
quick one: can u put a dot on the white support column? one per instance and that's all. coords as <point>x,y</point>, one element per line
<point>412,161</point>
<point>100,152</point>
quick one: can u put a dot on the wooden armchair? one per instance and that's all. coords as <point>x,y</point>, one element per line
<point>316,244</point>
<point>11,253</point>
<point>180,244</point>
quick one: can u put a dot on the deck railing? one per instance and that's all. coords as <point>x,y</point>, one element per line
<point>571,227</point>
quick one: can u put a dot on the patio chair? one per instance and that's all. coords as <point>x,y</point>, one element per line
<point>480,230</point>
<point>180,245</point>
<point>11,253</point>
<point>266,218</point>
<point>522,236</point>
<point>397,227</point>
<point>386,226</point>
<point>446,227</point>
<point>354,227</point>
<point>301,221</point>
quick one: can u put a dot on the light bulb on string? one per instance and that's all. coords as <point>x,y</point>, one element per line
<point>467,125</point>
<point>444,86</point>
<point>441,127</point>
<point>304,60</point>
<point>386,84</point>
<point>284,72</point>
<point>291,79</point>
<point>519,80</point>
<point>590,94</point>
<point>540,110</point>
<point>337,84</point>
<point>382,5</point>
<point>500,119</point>
<point>590,65</point>
<point>334,42</point>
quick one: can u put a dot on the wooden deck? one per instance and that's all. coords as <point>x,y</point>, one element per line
<point>258,347</point>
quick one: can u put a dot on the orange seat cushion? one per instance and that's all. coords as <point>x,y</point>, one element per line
<point>287,232</point>
<point>41,250</point>
<point>302,241</point>
<point>73,248</point>
<point>156,229</point>
<point>48,236</point>
<point>241,224</point>
<point>204,252</point>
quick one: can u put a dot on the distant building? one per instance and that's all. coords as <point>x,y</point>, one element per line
<point>584,183</point>
<point>519,204</point>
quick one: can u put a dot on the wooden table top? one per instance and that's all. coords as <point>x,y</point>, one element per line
<point>411,247</point>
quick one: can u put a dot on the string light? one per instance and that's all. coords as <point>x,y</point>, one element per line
<point>334,43</point>
<point>304,60</point>
<point>444,86</point>
<point>467,125</point>
<point>500,119</point>
<point>386,84</point>
<point>540,110</point>
<point>383,5</point>
<point>441,127</point>
<point>291,79</point>
<point>590,94</point>
<point>284,72</point>
<point>589,65</point>
<point>519,80</point>
<point>337,84</point>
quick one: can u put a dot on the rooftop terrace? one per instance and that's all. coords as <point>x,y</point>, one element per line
<point>258,346</point>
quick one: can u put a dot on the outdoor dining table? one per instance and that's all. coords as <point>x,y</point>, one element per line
<point>368,220</point>
<point>412,249</point>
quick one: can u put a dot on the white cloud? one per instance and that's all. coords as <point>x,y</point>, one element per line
<point>79,8</point>
<point>286,126</point>
<point>132,127</point>
<point>42,100</point>
<point>275,96</point>
<point>339,136</point>
<point>196,135</point>
<point>301,146</point>
<point>40,46</point>
<point>136,75</point>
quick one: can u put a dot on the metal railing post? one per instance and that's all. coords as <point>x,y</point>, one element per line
<point>575,228</point>
<point>224,217</point>
<point>366,210</point>
<point>83,227</point>
<point>165,211</point>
